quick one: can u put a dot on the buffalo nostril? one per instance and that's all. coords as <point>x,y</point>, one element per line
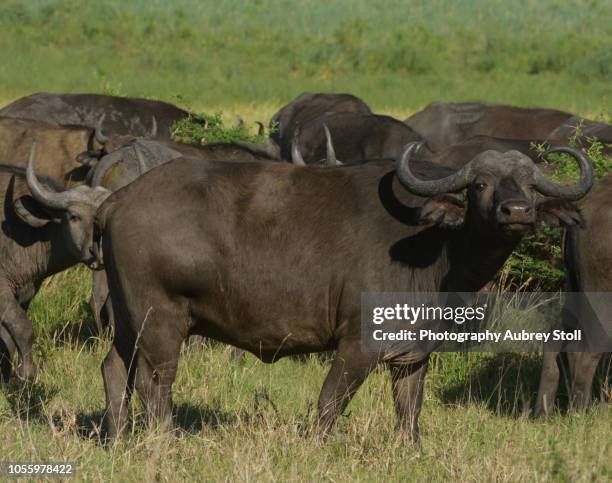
<point>515,208</point>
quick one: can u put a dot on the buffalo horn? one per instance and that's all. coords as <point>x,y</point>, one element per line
<point>330,157</point>
<point>454,182</point>
<point>41,194</point>
<point>574,192</point>
<point>101,138</point>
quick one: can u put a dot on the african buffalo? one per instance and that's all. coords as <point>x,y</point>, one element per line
<point>356,138</point>
<point>59,145</point>
<point>36,242</point>
<point>443,124</point>
<point>29,241</point>
<point>133,158</point>
<point>588,260</point>
<point>121,115</point>
<point>306,108</point>
<point>273,258</point>
<point>459,154</point>
<point>588,129</point>
<point>136,157</point>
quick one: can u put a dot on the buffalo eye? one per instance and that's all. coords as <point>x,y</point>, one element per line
<point>480,186</point>
<point>74,218</point>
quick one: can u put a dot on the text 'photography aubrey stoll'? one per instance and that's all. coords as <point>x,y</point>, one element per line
<point>496,322</point>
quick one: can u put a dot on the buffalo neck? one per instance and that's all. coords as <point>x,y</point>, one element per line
<point>474,258</point>
<point>39,253</point>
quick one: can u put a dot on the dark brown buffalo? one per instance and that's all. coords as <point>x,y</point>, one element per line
<point>459,154</point>
<point>33,240</point>
<point>444,124</point>
<point>273,259</point>
<point>356,138</point>
<point>33,244</point>
<point>134,158</point>
<point>120,115</point>
<point>306,108</point>
<point>60,147</point>
<point>588,260</point>
<point>587,129</point>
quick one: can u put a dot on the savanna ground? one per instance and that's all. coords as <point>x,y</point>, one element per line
<point>253,421</point>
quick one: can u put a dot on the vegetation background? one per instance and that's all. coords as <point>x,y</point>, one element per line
<point>251,422</point>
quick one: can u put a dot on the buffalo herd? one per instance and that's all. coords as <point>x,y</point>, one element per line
<point>268,247</point>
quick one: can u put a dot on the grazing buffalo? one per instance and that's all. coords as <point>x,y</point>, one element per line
<point>133,158</point>
<point>588,259</point>
<point>59,145</point>
<point>120,115</point>
<point>459,154</point>
<point>306,108</point>
<point>588,129</point>
<point>356,138</point>
<point>444,124</point>
<point>273,258</point>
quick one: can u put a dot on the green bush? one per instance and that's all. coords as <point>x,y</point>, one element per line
<point>537,263</point>
<point>202,129</point>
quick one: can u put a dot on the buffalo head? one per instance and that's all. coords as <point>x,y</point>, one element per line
<point>498,193</point>
<point>74,209</point>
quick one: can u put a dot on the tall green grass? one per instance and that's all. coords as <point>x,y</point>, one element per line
<point>392,53</point>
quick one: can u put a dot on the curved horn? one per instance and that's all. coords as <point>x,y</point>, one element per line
<point>101,138</point>
<point>330,157</point>
<point>454,182</point>
<point>296,156</point>
<point>142,165</point>
<point>153,132</point>
<point>41,194</point>
<point>100,169</point>
<point>587,177</point>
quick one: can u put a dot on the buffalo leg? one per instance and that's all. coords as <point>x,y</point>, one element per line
<point>154,378</point>
<point>549,383</point>
<point>407,383</point>
<point>7,349</point>
<point>100,301</point>
<point>346,375</point>
<point>582,371</point>
<point>117,374</point>
<point>19,326</point>
<point>157,364</point>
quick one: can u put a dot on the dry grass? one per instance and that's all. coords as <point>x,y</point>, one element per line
<point>253,422</point>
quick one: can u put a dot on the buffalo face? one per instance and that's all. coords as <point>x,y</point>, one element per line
<point>502,193</point>
<point>75,210</point>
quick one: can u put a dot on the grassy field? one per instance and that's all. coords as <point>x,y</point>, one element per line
<point>252,422</point>
<point>395,54</point>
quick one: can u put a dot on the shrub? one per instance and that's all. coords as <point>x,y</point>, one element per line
<point>200,129</point>
<point>537,263</point>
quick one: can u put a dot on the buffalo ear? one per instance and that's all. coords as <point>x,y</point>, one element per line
<point>559,213</point>
<point>29,211</point>
<point>446,211</point>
